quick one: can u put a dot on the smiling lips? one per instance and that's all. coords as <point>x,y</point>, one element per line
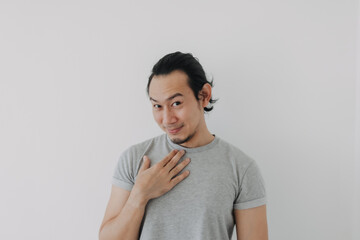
<point>174,131</point>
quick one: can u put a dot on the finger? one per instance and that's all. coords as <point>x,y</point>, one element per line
<point>145,165</point>
<point>179,167</point>
<point>172,163</point>
<point>168,157</point>
<point>179,178</point>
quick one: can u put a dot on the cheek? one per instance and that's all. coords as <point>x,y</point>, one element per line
<point>193,116</point>
<point>182,115</point>
<point>157,117</point>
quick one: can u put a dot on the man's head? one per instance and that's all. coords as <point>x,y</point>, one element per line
<point>188,64</point>
<point>180,93</point>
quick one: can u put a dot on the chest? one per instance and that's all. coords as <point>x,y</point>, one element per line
<point>209,189</point>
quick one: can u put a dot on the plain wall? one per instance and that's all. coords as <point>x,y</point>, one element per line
<point>72,97</point>
<point>356,203</point>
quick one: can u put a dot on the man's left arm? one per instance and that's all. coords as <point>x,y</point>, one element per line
<point>251,224</point>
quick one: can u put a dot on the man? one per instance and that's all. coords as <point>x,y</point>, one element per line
<point>187,183</point>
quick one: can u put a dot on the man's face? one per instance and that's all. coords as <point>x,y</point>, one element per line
<point>175,108</point>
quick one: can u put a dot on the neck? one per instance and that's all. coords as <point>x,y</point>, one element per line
<point>201,138</point>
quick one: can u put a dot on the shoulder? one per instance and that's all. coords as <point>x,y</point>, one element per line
<point>235,153</point>
<point>131,157</point>
<point>140,148</point>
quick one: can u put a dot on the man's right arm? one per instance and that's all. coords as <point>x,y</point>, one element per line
<point>125,209</point>
<point>123,216</point>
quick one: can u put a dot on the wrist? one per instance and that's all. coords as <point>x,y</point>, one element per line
<point>137,200</point>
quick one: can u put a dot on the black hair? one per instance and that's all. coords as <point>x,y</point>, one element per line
<point>189,65</point>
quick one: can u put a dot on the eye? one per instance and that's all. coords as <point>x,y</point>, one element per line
<point>156,106</point>
<point>175,104</point>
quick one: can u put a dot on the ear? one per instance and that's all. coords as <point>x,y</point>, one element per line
<point>205,95</point>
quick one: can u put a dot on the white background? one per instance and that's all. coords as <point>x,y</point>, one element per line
<point>72,98</point>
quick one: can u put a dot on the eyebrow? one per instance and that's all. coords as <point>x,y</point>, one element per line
<point>169,98</point>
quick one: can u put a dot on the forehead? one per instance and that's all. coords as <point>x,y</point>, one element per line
<point>163,86</point>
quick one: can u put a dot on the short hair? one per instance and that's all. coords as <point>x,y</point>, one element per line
<point>189,65</point>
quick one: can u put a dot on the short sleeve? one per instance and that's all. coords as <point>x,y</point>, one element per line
<point>252,189</point>
<point>123,176</point>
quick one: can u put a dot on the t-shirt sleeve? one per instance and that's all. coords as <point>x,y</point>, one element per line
<point>124,176</point>
<point>252,189</point>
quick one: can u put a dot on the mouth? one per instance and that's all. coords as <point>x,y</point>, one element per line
<point>174,130</point>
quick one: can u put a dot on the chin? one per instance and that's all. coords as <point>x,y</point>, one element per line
<point>179,141</point>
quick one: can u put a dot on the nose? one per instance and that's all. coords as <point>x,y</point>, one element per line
<point>168,117</point>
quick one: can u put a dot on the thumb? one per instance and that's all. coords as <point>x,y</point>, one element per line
<point>145,165</point>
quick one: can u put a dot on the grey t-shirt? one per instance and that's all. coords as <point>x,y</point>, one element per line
<point>222,178</point>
